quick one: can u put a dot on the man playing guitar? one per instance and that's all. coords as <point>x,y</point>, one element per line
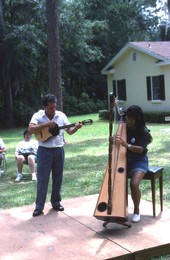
<point>50,155</point>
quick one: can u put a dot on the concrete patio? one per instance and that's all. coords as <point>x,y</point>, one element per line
<point>76,234</point>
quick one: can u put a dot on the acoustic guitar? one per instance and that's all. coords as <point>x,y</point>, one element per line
<point>47,132</point>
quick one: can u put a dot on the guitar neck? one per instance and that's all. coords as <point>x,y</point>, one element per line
<point>66,126</point>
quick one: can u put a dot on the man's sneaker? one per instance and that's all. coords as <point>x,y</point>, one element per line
<point>19,177</point>
<point>135,218</point>
<point>34,177</point>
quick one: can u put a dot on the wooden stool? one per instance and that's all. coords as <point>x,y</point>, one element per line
<point>153,173</point>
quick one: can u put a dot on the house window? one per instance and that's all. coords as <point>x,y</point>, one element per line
<point>155,87</point>
<point>119,89</point>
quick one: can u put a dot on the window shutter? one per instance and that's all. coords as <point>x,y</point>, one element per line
<point>124,89</point>
<point>162,87</point>
<point>148,85</point>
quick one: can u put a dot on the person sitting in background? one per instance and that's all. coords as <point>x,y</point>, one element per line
<point>2,149</point>
<point>26,153</point>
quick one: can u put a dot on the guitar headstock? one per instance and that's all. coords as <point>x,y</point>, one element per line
<point>87,122</point>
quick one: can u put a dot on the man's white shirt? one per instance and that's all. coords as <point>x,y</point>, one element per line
<point>60,119</point>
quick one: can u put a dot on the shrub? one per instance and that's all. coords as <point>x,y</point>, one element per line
<point>104,114</point>
<point>156,117</point>
<point>150,117</point>
<point>83,105</point>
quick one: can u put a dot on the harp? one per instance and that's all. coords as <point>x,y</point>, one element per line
<point>112,203</point>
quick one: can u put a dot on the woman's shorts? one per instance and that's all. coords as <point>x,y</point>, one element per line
<point>137,163</point>
<point>27,154</point>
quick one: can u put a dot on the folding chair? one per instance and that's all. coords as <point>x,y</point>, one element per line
<point>3,164</point>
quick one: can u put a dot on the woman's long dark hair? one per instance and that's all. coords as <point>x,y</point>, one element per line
<point>136,112</point>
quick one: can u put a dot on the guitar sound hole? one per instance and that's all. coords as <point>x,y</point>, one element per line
<point>54,131</point>
<point>120,169</point>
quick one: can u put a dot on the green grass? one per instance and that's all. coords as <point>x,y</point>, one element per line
<point>86,160</point>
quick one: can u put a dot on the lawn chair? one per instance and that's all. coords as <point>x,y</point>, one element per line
<point>3,164</point>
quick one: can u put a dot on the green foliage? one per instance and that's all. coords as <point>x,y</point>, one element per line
<point>120,29</point>
<point>23,113</point>
<point>156,117</point>
<point>163,257</point>
<point>91,33</point>
<point>79,49</point>
<point>22,51</point>
<point>82,105</point>
<point>25,54</point>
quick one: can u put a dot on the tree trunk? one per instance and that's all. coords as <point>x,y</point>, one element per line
<point>8,100</point>
<point>168,6</point>
<point>5,83</point>
<point>1,50</point>
<point>54,60</point>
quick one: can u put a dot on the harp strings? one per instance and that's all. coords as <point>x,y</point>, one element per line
<point>116,156</point>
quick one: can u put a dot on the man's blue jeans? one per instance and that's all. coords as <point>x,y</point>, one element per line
<point>49,159</point>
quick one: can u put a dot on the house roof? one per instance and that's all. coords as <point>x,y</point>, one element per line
<point>159,50</point>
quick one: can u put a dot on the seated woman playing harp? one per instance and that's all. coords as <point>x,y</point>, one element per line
<point>138,137</point>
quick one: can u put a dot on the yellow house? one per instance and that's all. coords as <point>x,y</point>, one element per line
<point>140,75</point>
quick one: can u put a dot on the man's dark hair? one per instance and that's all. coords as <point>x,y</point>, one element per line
<point>48,98</point>
<point>25,132</point>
